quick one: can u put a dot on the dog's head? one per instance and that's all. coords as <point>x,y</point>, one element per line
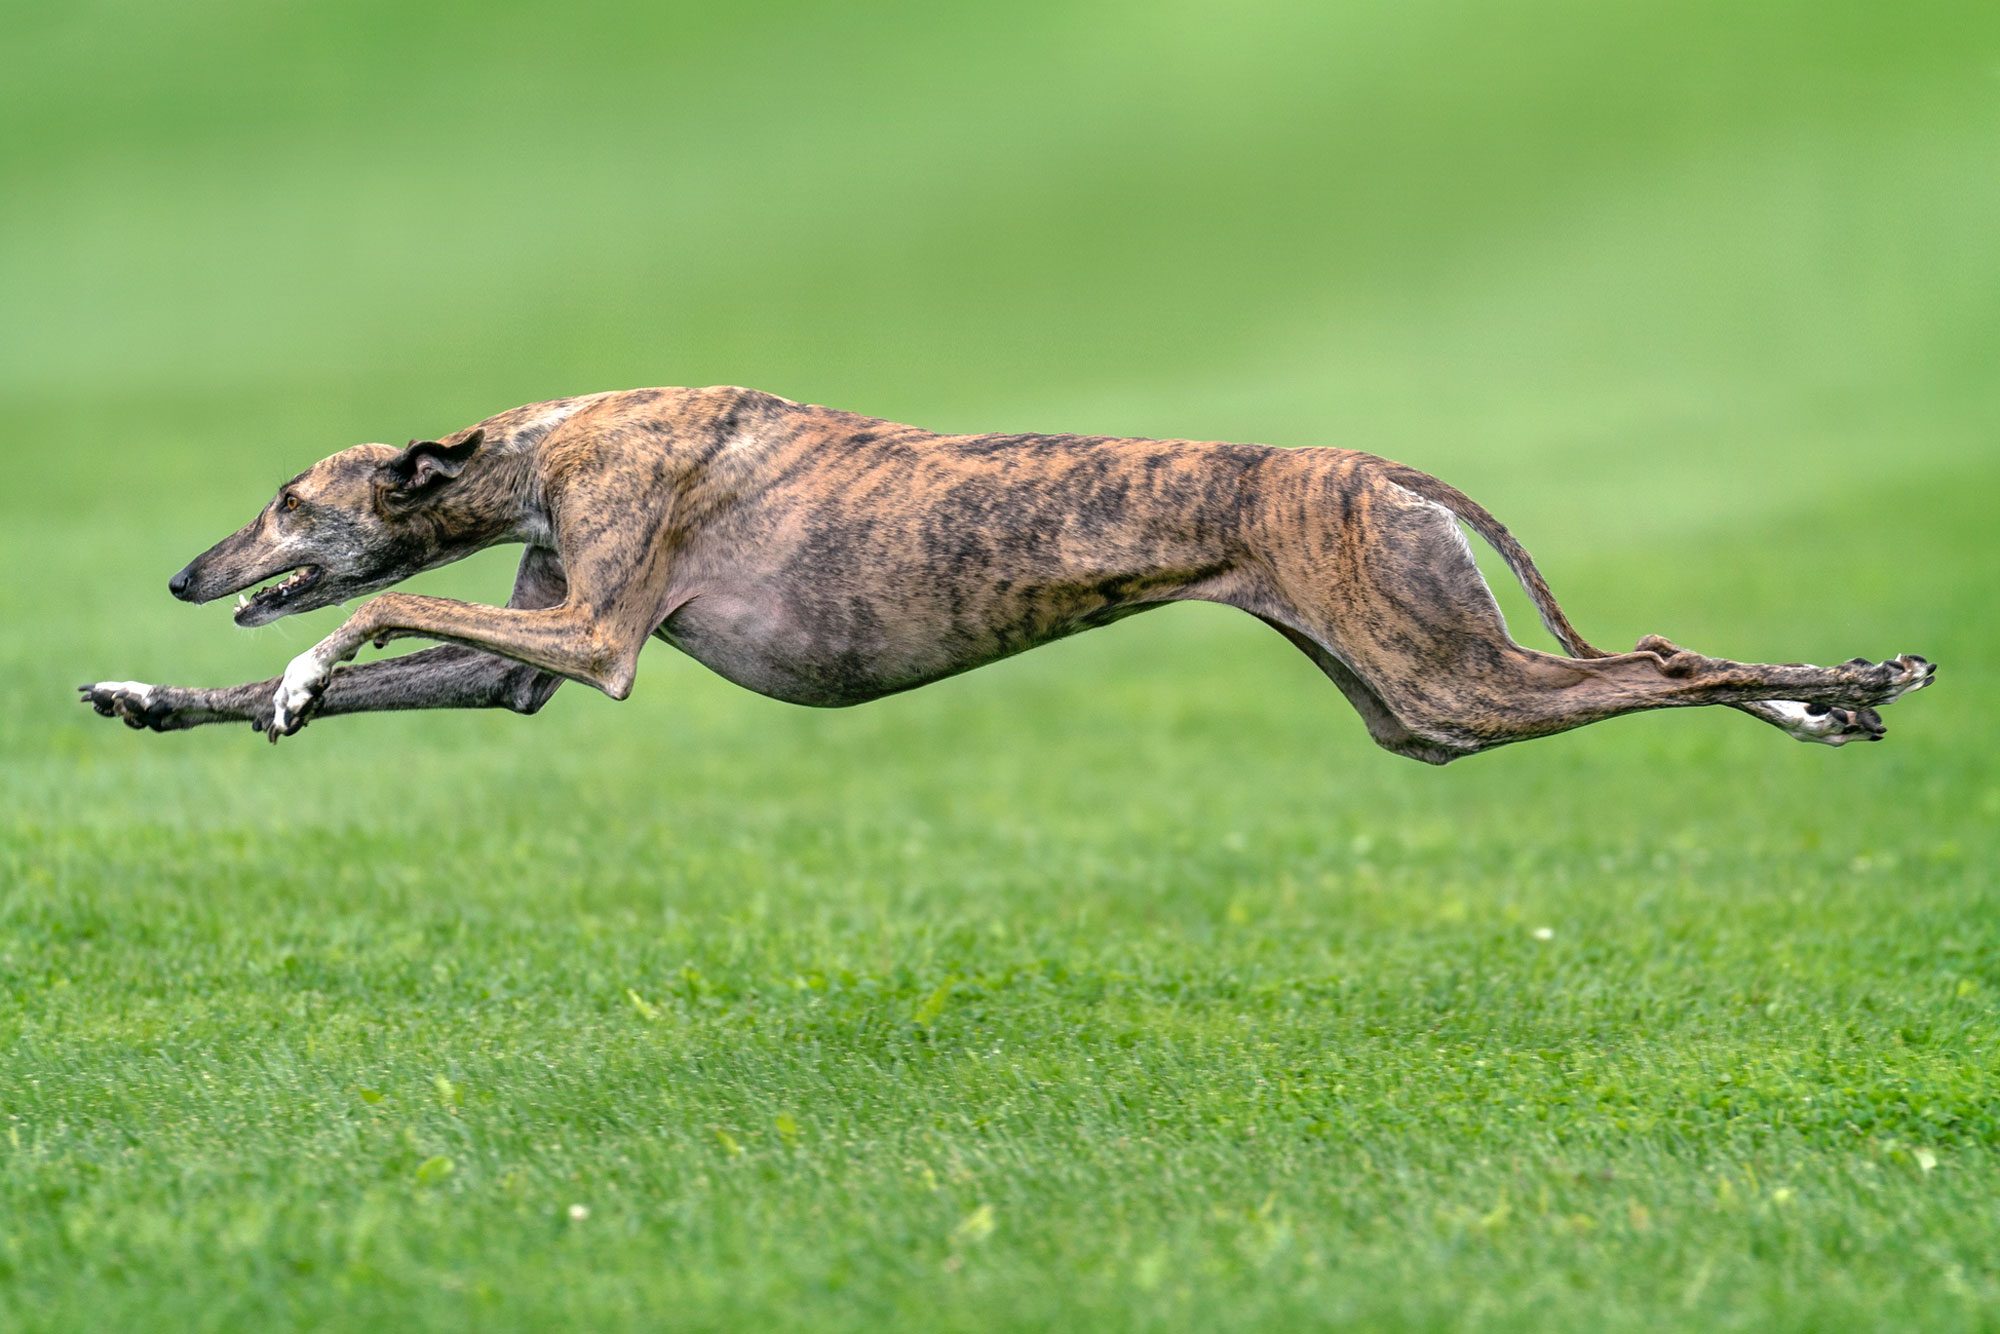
<point>350,525</point>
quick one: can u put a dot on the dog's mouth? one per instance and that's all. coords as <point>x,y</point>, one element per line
<point>273,598</point>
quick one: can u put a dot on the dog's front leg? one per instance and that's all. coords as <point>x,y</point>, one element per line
<point>617,566</point>
<point>571,641</point>
<point>439,678</point>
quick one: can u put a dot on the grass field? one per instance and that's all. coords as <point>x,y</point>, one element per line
<point>1119,985</point>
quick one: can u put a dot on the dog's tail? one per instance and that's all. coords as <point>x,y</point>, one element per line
<point>1518,560</point>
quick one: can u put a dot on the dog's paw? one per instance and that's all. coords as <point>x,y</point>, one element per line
<point>298,694</point>
<point>141,706</point>
<point>1881,683</point>
<point>1827,726</point>
<point>1908,674</point>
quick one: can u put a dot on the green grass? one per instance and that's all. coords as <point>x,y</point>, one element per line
<point>1120,985</point>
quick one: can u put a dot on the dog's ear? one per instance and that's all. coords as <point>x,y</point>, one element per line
<point>427,463</point>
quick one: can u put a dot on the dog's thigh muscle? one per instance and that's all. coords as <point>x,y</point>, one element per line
<point>1387,730</point>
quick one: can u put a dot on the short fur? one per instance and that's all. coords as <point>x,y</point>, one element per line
<point>826,558</point>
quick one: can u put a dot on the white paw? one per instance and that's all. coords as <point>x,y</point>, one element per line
<point>1826,726</point>
<point>132,701</point>
<point>137,691</point>
<point>305,677</point>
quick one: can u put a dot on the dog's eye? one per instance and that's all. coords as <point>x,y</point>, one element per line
<point>291,501</point>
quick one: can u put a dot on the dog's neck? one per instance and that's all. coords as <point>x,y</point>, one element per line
<point>498,499</point>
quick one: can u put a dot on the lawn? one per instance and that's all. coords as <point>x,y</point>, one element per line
<point>1123,984</point>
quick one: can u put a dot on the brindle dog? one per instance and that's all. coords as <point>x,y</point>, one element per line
<point>826,558</point>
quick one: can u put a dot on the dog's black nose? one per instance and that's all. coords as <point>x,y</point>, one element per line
<point>178,585</point>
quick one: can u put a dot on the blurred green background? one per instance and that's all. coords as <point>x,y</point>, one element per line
<point>1703,300</point>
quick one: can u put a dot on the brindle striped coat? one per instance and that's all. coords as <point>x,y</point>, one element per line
<point>826,558</point>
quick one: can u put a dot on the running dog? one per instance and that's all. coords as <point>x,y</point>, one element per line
<point>827,559</point>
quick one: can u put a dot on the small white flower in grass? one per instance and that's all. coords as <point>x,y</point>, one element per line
<point>975,1226</point>
<point>578,1212</point>
<point>1544,933</point>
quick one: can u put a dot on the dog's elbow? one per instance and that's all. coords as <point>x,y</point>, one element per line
<point>610,667</point>
<point>615,677</point>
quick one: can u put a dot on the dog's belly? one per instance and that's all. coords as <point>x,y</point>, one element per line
<point>755,641</point>
<point>829,655</point>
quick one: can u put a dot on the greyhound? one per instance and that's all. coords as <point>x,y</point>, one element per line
<point>827,559</point>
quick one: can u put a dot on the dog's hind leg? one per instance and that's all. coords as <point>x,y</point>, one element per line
<point>1395,599</point>
<point>449,677</point>
<point>1383,725</point>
